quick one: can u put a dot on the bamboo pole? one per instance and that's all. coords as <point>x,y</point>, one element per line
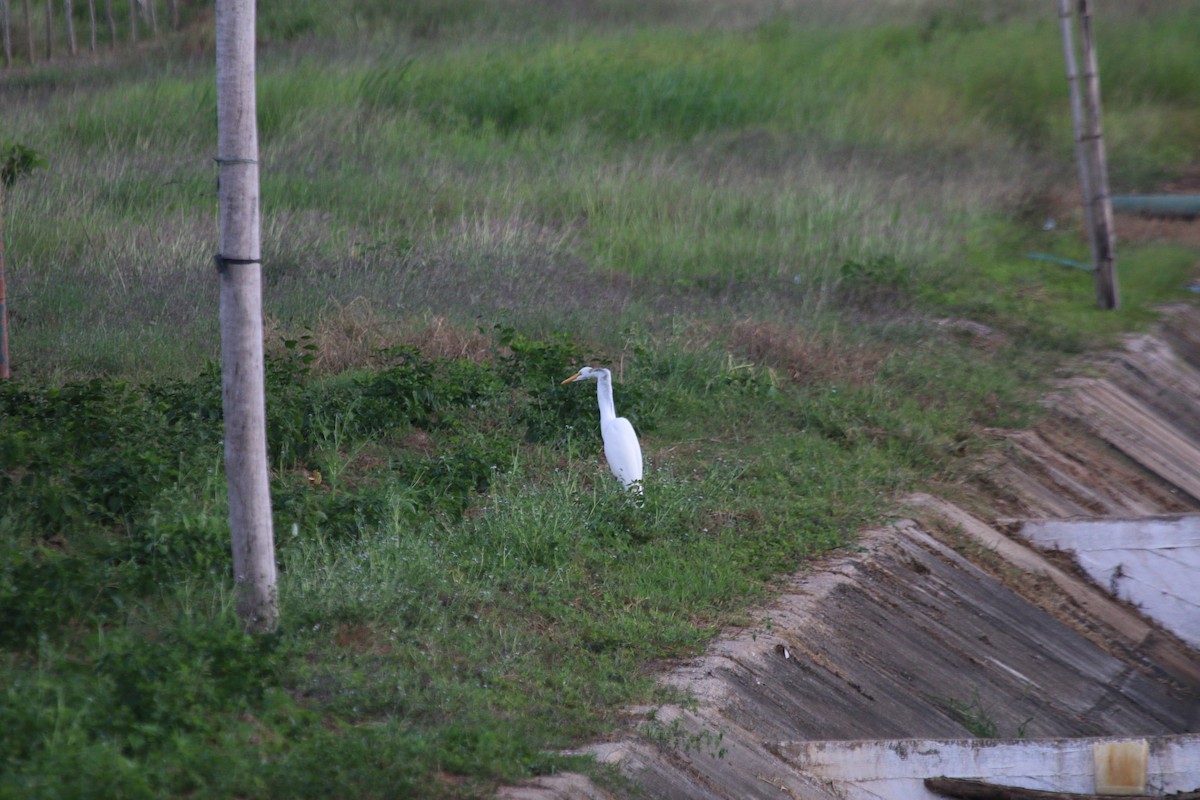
<point>1107,295</point>
<point>1066,21</point>
<point>243,390</point>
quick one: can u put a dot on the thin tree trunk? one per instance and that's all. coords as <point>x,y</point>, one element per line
<point>1066,22</point>
<point>69,17</point>
<point>5,21</point>
<point>1107,295</point>
<point>49,30</point>
<point>133,20</point>
<point>112,24</point>
<point>241,319</point>
<point>29,32</point>
<point>92,25</point>
<point>153,17</point>
<point>174,7</point>
<point>5,370</point>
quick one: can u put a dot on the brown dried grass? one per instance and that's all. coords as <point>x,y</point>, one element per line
<point>355,336</point>
<point>807,356</point>
<point>443,340</point>
<point>346,337</point>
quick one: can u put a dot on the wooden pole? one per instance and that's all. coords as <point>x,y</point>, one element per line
<point>242,371</point>
<point>1107,295</point>
<point>1066,22</point>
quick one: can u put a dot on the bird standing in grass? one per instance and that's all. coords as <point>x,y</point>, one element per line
<point>621,446</point>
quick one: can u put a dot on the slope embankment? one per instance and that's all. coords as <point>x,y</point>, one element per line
<point>965,621</point>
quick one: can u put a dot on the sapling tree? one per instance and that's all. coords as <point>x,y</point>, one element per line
<point>112,24</point>
<point>69,20</point>
<point>16,160</point>
<point>4,23</point>
<point>29,31</point>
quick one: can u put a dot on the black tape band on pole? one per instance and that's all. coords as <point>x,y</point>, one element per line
<point>224,262</point>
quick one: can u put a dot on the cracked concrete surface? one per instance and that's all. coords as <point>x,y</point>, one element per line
<point>1151,563</point>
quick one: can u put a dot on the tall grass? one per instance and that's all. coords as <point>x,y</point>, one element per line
<point>764,157</point>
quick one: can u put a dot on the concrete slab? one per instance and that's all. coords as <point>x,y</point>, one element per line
<point>895,770</point>
<point>904,637</point>
<point>1150,562</point>
<point>1145,405</point>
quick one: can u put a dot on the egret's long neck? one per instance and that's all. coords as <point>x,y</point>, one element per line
<point>604,396</point>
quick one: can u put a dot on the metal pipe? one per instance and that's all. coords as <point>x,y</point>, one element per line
<point>1159,205</point>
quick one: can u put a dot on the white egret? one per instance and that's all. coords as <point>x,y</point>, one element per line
<point>621,446</point>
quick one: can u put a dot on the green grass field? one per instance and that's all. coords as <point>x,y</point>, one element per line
<point>759,218</point>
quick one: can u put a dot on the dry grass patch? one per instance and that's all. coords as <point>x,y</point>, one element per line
<point>807,357</point>
<point>355,336</point>
<point>346,337</point>
<point>975,334</point>
<point>443,340</point>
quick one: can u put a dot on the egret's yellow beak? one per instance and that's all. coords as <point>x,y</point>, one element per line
<point>568,380</point>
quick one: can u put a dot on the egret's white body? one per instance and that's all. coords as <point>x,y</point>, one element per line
<point>621,446</point>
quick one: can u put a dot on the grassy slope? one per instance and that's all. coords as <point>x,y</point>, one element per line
<point>755,219</point>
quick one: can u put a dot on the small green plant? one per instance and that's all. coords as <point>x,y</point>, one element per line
<point>876,280</point>
<point>675,736</point>
<point>16,160</point>
<point>1023,728</point>
<point>974,716</point>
